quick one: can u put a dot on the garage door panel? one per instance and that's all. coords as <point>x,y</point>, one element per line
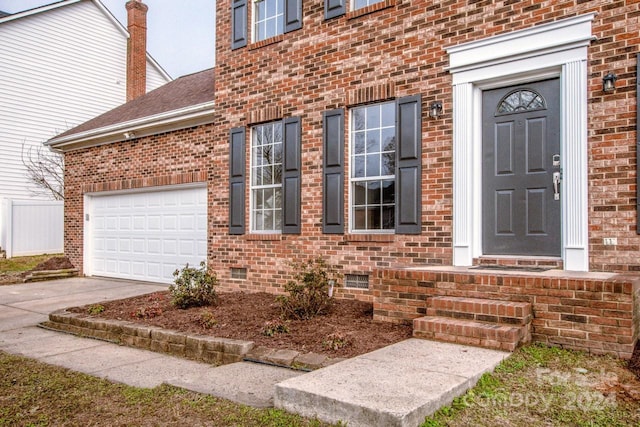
<point>146,236</point>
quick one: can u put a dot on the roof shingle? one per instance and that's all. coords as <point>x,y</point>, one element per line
<point>186,91</point>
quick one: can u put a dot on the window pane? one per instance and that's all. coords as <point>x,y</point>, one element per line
<point>359,219</point>
<point>278,220</point>
<point>257,176</point>
<point>388,166</point>
<point>388,138</point>
<point>260,11</point>
<point>268,220</point>
<point>373,218</point>
<point>358,166</point>
<point>388,217</point>
<point>271,6</point>
<point>358,143</point>
<point>388,191</point>
<point>388,114</point>
<point>277,198</point>
<point>268,198</point>
<point>258,199</point>
<point>373,117</point>
<point>258,223</point>
<point>373,141</point>
<point>359,4</point>
<point>359,193</point>
<point>277,174</point>
<point>373,193</point>
<point>358,119</point>
<point>373,165</point>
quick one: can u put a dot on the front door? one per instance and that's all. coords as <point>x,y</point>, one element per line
<point>521,170</point>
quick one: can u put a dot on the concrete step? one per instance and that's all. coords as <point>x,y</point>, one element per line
<point>395,386</point>
<point>484,310</point>
<point>471,332</point>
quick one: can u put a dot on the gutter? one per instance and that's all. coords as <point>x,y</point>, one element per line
<point>137,128</point>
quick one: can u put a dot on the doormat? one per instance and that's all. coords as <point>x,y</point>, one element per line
<point>511,268</point>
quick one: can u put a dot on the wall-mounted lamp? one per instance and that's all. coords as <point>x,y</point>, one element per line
<point>129,135</point>
<point>609,82</point>
<point>435,109</point>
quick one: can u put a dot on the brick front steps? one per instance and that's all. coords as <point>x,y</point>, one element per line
<point>595,312</point>
<point>501,325</point>
<point>203,348</point>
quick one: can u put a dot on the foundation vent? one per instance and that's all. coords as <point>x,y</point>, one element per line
<point>356,281</point>
<point>238,273</point>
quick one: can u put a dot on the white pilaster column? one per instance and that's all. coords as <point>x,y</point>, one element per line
<point>463,174</point>
<point>575,176</point>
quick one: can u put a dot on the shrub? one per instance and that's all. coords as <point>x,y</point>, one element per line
<point>206,320</point>
<point>275,327</point>
<point>335,341</point>
<point>308,294</point>
<point>194,287</point>
<point>95,309</point>
<point>147,312</point>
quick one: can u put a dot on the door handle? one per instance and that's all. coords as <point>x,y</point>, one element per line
<point>556,186</point>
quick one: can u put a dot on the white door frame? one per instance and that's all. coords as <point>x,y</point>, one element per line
<point>545,51</point>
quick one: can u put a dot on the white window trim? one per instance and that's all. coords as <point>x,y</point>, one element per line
<point>254,16</point>
<point>353,4</point>
<point>250,181</point>
<point>549,50</point>
<point>348,170</point>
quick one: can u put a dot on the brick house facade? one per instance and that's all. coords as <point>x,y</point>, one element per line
<point>407,214</point>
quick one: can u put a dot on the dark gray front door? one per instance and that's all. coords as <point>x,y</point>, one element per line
<point>521,153</point>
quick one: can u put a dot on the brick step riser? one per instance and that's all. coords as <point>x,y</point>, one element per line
<point>488,335</point>
<point>481,310</point>
<point>490,318</point>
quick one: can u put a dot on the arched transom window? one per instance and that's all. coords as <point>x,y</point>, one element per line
<point>521,100</point>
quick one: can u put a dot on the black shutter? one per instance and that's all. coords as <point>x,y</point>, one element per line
<point>291,179</point>
<point>408,165</point>
<point>333,172</point>
<point>333,8</point>
<point>236,180</point>
<point>292,15</point>
<point>238,23</point>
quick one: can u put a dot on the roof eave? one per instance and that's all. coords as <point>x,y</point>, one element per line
<point>152,125</point>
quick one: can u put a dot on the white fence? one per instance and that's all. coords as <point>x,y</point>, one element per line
<point>31,227</point>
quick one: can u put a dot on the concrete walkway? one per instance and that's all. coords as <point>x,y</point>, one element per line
<point>395,386</point>
<point>23,306</point>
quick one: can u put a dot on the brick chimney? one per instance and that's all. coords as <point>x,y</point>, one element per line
<point>136,49</point>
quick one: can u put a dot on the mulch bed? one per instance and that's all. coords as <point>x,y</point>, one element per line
<point>54,263</point>
<point>346,331</point>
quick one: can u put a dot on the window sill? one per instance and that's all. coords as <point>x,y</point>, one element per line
<point>370,9</point>
<point>369,237</point>
<point>266,42</point>
<point>263,237</point>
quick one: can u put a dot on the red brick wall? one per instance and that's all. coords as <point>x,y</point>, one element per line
<point>593,314</point>
<point>320,67</point>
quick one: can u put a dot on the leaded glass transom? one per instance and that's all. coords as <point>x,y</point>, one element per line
<point>521,100</point>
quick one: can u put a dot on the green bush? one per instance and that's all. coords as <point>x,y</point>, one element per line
<point>308,294</point>
<point>194,287</point>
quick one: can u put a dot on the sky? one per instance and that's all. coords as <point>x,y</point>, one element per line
<point>180,33</point>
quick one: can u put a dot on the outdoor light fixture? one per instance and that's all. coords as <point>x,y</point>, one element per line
<point>609,82</point>
<point>435,109</point>
<point>129,135</point>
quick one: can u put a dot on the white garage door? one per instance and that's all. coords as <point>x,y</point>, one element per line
<point>147,236</point>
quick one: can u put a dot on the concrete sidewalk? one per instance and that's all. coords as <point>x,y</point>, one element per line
<point>395,386</point>
<point>23,306</point>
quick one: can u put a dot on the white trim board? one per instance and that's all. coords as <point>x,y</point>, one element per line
<point>549,50</point>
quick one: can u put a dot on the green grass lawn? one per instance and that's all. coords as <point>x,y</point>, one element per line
<point>22,263</point>
<point>536,386</point>
<point>542,386</point>
<point>37,394</point>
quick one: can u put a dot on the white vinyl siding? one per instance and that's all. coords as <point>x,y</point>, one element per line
<point>59,68</point>
<point>146,235</point>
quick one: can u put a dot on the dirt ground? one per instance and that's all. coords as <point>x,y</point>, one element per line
<point>53,263</point>
<point>347,330</point>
